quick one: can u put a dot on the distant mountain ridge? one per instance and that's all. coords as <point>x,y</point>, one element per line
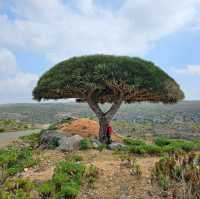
<point>138,112</point>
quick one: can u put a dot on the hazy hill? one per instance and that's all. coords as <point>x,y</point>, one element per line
<point>133,119</point>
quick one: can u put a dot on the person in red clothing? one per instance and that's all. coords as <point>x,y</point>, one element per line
<point>108,134</point>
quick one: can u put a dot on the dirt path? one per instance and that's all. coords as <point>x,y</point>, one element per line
<point>8,137</point>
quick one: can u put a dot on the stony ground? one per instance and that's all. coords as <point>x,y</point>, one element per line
<point>114,178</point>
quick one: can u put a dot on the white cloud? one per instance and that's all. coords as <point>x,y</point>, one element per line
<point>8,63</point>
<point>15,85</point>
<point>189,70</point>
<point>56,30</point>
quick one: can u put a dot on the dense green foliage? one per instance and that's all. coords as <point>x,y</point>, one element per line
<point>160,146</point>
<point>139,80</point>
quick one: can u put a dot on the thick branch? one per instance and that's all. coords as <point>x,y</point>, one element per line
<point>97,110</point>
<point>94,105</point>
<point>113,110</point>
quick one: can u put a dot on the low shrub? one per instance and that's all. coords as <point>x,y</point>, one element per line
<point>85,144</point>
<point>14,160</point>
<point>183,144</point>
<point>180,170</point>
<point>145,149</point>
<point>164,182</point>
<point>45,190</point>
<point>162,141</point>
<point>66,181</point>
<point>135,142</point>
<point>135,168</point>
<point>33,140</point>
<point>16,188</point>
<point>161,145</point>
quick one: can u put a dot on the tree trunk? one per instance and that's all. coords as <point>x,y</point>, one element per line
<point>103,124</point>
<point>104,118</point>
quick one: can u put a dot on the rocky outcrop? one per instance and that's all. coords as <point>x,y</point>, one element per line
<point>54,139</point>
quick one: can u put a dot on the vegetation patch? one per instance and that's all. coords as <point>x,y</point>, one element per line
<point>181,172</point>
<point>160,146</point>
<point>85,144</point>
<point>14,125</point>
<point>13,160</point>
<point>33,140</point>
<point>91,174</point>
<point>17,187</point>
<point>74,158</point>
<point>101,147</point>
<point>66,181</point>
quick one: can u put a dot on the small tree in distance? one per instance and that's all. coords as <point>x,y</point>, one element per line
<point>112,79</point>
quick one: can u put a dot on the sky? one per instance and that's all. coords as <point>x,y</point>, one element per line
<point>37,34</point>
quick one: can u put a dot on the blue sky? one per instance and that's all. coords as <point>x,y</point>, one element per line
<point>35,34</point>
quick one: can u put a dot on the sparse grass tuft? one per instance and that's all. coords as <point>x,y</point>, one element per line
<point>91,174</point>
<point>74,158</point>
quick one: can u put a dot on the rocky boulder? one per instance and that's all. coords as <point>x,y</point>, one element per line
<point>115,145</point>
<point>53,139</point>
<point>70,143</point>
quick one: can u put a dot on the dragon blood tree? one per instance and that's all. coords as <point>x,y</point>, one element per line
<point>99,79</point>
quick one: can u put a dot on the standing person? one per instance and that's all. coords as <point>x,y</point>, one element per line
<point>108,134</point>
